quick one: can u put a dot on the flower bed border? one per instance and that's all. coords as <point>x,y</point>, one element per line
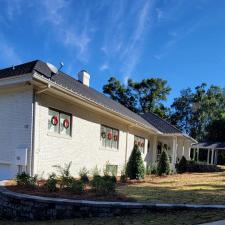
<point>19,206</point>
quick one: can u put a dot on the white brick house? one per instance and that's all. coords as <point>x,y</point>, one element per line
<point>48,119</point>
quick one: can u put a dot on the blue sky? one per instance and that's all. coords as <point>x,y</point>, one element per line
<point>182,41</point>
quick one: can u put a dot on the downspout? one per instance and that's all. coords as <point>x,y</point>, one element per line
<point>33,134</point>
<point>35,93</point>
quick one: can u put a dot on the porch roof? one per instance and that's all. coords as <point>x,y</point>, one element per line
<point>210,145</point>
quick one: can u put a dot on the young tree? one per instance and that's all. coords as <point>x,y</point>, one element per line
<point>163,166</point>
<point>135,166</point>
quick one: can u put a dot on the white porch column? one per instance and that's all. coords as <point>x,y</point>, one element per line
<point>154,149</point>
<point>208,155</point>
<point>174,150</point>
<point>212,156</point>
<point>197,154</point>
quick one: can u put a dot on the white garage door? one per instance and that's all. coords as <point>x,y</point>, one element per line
<point>5,172</point>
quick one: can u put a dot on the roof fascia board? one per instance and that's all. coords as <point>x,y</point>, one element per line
<point>89,101</point>
<point>14,80</point>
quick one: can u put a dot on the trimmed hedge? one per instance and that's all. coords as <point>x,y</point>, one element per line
<point>193,166</point>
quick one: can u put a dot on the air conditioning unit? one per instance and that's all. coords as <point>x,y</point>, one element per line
<point>21,156</point>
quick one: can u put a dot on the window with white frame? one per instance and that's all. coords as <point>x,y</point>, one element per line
<point>140,142</point>
<point>59,122</point>
<point>109,137</point>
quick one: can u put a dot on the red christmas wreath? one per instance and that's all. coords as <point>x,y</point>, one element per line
<point>54,120</point>
<point>66,123</point>
<point>110,136</point>
<point>115,137</point>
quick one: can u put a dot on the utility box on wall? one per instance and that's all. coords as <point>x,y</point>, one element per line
<point>21,156</point>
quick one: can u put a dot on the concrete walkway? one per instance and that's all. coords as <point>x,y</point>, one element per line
<point>221,222</point>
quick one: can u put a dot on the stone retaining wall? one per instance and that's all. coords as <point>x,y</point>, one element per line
<point>26,207</point>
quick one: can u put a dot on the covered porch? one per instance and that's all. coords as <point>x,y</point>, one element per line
<point>209,152</point>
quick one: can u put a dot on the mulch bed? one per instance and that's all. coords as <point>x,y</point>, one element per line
<point>88,194</point>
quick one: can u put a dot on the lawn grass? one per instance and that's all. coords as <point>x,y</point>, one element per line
<point>199,188</point>
<point>186,217</point>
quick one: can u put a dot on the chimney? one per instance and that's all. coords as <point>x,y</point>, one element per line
<point>84,77</point>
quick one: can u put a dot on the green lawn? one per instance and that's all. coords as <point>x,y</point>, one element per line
<point>156,218</point>
<point>199,188</point>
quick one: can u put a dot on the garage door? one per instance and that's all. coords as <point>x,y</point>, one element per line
<point>5,172</point>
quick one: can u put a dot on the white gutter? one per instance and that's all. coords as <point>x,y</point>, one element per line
<point>52,84</point>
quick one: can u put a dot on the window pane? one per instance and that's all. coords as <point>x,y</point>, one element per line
<point>53,121</point>
<point>108,137</point>
<point>115,139</point>
<point>140,142</point>
<point>65,124</point>
<point>103,136</point>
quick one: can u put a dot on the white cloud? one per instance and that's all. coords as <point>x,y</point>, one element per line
<point>128,26</point>
<point>104,66</point>
<point>8,55</point>
<point>75,35</point>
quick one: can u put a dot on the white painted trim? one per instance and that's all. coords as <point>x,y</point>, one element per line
<point>54,85</point>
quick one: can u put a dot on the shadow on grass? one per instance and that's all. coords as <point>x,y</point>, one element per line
<point>171,195</point>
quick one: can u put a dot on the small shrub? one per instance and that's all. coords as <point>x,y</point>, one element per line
<point>103,185</point>
<point>193,166</point>
<point>26,180</point>
<point>76,187</point>
<point>135,166</point>
<point>182,165</point>
<point>148,170</point>
<point>95,171</point>
<point>109,178</point>
<point>65,178</point>
<point>123,178</point>
<point>84,175</point>
<point>51,183</point>
<point>163,166</point>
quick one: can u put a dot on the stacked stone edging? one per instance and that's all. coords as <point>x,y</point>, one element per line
<point>19,206</point>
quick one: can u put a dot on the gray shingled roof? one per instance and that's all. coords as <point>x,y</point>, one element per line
<point>209,145</point>
<point>69,82</point>
<point>160,124</point>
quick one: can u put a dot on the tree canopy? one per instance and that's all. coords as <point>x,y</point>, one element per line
<point>148,95</point>
<point>194,110</point>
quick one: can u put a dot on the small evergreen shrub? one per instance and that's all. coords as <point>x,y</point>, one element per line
<point>103,185</point>
<point>182,165</point>
<point>51,183</point>
<point>84,175</point>
<point>135,166</point>
<point>76,187</point>
<point>163,166</point>
<point>25,180</point>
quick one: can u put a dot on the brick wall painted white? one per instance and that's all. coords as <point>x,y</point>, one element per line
<point>84,147</point>
<point>15,123</point>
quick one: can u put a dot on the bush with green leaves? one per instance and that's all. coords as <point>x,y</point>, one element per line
<point>181,167</point>
<point>163,166</point>
<point>65,178</point>
<point>123,177</point>
<point>84,175</point>
<point>135,166</point>
<point>76,187</point>
<point>103,185</point>
<point>51,183</point>
<point>95,171</point>
<point>25,180</point>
